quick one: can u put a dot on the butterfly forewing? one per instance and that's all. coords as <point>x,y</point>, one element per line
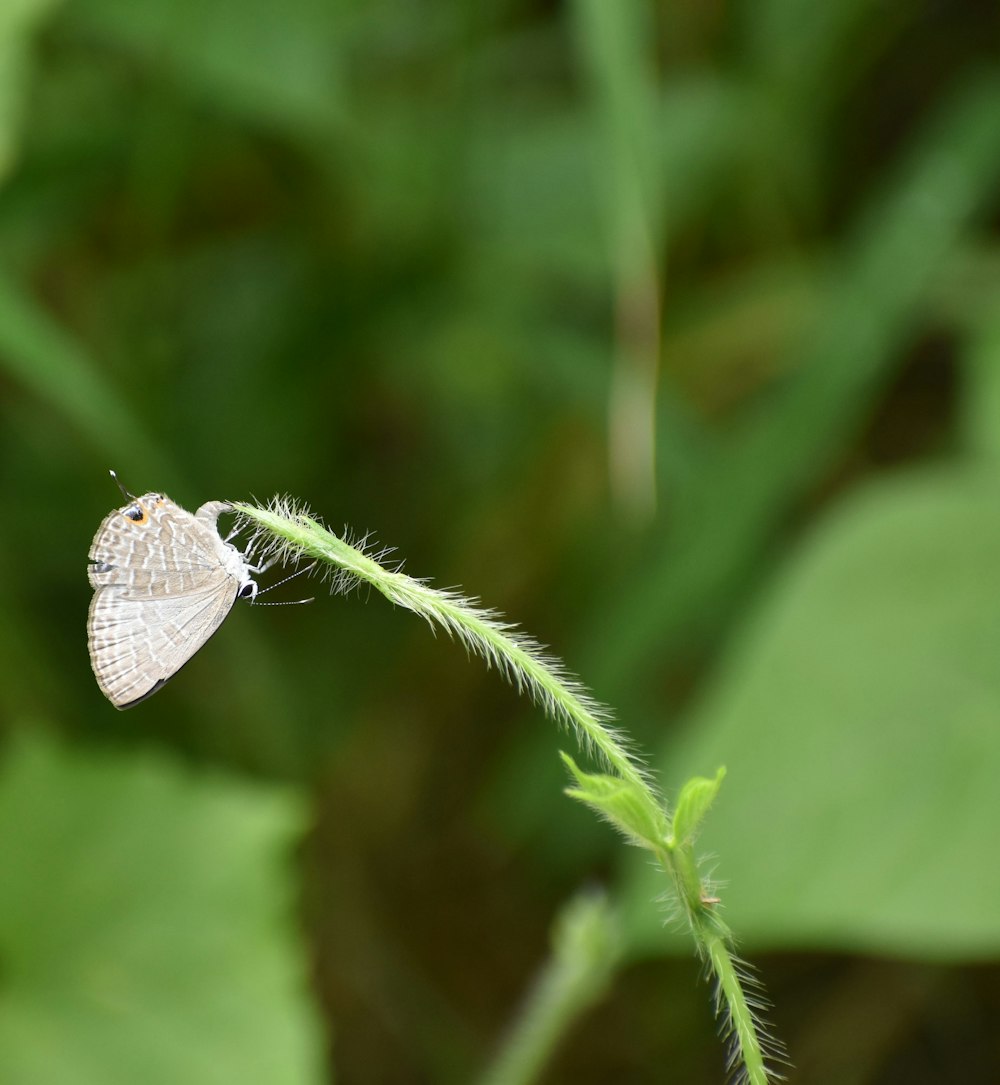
<point>165,540</point>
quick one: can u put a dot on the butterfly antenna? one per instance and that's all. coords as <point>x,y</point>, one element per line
<point>284,580</point>
<point>118,483</point>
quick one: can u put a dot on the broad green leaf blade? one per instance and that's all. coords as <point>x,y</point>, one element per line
<point>146,925</point>
<point>860,724</point>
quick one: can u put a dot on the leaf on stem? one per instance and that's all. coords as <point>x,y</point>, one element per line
<point>626,805</point>
<point>693,803</point>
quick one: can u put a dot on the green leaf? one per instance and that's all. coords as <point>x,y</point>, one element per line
<point>693,803</point>
<point>859,723</point>
<point>146,925</point>
<point>622,803</point>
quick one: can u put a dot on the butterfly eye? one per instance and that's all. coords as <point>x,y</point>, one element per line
<point>136,513</point>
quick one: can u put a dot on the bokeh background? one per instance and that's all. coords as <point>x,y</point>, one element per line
<point>670,329</point>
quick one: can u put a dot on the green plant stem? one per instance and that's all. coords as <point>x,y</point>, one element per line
<point>733,1003</point>
<point>287,533</point>
<point>516,655</point>
<point>714,940</point>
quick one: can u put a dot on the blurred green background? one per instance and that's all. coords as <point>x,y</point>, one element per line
<point>671,330</point>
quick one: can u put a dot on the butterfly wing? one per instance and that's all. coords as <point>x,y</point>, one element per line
<point>136,645</point>
<point>154,538</point>
<point>162,588</point>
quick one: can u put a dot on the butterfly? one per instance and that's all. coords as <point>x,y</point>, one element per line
<point>164,580</point>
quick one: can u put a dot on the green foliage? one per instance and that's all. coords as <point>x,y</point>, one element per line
<point>668,329</point>
<point>38,353</point>
<point>285,531</point>
<point>146,924</point>
<point>586,947</point>
<point>19,20</point>
<point>856,717</point>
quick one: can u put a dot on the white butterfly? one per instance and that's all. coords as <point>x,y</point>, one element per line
<point>164,582</point>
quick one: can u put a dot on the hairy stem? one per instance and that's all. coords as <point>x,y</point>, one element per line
<point>288,533</point>
<point>482,631</point>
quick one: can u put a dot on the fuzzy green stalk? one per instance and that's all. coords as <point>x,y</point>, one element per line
<point>749,1044</point>
<point>285,532</point>
<point>732,979</point>
<point>523,661</point>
